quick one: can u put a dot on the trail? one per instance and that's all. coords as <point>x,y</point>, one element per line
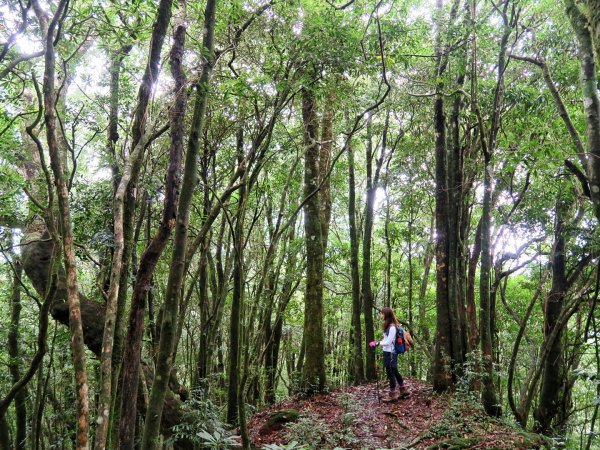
<point>354,418</point>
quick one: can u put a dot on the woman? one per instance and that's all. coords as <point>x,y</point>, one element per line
<point>390,357</point>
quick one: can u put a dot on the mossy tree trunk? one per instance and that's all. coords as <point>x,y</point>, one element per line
<point>313,370</point>
<point>237,298</point>
<point>446,356</point>
<point>116,293</point>
<point>149,259</point>
<point>168,326</point>
<point>589,46</point>
<point>107,394</point>
<point>58,166</point>
<point>373,176</point>
<point>366,287</point>
<point>358,370</point>
<point>551,389</point>
<point>509,14</point>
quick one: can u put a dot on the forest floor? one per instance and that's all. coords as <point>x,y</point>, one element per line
<point>354,418</point>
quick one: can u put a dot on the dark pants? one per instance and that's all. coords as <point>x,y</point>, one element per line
<point>390,362</point>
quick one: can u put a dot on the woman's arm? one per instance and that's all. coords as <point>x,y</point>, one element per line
<point>391,335</point>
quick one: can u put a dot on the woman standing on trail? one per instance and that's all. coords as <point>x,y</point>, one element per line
<point>390,357</point>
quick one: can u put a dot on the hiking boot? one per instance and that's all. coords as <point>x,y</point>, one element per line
<point>403,391</point>
<point>390,396</point>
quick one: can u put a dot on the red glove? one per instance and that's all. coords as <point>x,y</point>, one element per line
<point>373,344</point>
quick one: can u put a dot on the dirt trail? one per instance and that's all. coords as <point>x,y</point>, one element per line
<point>354,418</point>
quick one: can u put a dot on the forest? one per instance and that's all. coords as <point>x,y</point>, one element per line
<point>204,206</point>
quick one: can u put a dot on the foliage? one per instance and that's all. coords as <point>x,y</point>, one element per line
<point>202,423</point>
<point>315,433</point>
<point>464,424</point>
<point>217,441</point>
<point>310,430</point>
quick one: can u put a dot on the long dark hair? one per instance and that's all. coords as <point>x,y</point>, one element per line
<point>389,318</point>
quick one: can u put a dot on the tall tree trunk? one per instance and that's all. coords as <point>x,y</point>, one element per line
<point>427,260</point>
<point>552,379</point>
<point>133,342</point>
<point>442,375</point>
<point>358,371</point>
<point>488,145</point>
<point>201,369</point>
<point>269,363</point>
<point>474,255</point>
<point>457,216</point>
<point>220,289</point>
<point>117,322</point>
<point>237,299</point>
<point>120,320</point>
<point>413,367</point>
<point>313,370</point>
<point>446,356</point>
<point>217,275</point>
<point>388,256</point>
<point>591,98</point>
<point>471,276</point>
<point>106,394</point>
<point>273,352</point>
<point>139,135</point>
<point>324,165</point>
<point>489,399</point>
<point>58,166</point>
<point>168,326</point>
<point>367,291</point>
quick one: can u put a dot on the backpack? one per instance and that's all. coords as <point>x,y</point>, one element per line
<point>400,345</point>
<point>403,340</point>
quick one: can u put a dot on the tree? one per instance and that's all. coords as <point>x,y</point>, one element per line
<point>450,331</point>
<point>313,373</point>
<point>356,334</point>
<point>57,164</point>
<point>591,99</point>
<point>132,353</point>
<point>550,392</point>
